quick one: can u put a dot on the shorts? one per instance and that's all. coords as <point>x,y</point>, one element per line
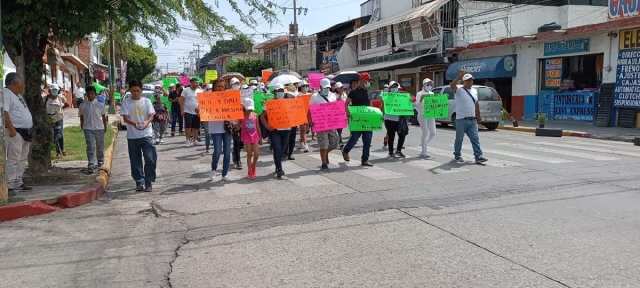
<point>327,139</point>
<point>191,121</point>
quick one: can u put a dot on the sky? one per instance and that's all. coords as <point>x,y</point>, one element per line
<point>320,16</point>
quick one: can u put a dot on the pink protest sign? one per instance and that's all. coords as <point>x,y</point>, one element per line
<point>328,116</point>
<point>314,80</point>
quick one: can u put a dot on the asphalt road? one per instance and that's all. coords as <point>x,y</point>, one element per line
<point>543,212</point>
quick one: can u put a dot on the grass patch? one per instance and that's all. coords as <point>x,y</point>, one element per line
<point>74,143</point>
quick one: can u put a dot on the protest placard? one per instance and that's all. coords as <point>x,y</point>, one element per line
<point>210,75</point>
<point>365,118</point>
<point>167,81</point>
<point>265,75</point>
<point>220,105</point>
<point>397,104</point>
<point>165,100</point>
<point>314,80</point>
<point>328,116</point>
<point>436,106</point>
<point>306,98</point>
<point>258,100</point>
<point>286,113</point>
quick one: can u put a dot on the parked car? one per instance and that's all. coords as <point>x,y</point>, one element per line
<point>146,94</point>
<point>376,101</point>
<point>490,106</point>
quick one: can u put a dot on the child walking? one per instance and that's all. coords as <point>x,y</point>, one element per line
<point>250,136</point>
<point>160,119</point>
<point>93,121</point>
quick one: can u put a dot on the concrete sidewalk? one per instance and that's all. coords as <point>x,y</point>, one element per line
<point>581,129</point>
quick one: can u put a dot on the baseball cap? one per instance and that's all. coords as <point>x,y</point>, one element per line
<point>172,85</point>
<point>426,80</point>
<point>467,77</point>
<point>338,85</point>
<point>54,86</point>
<point>278,86</point>
<point>394,83</point>
<point>248,104</point>
<point>365,76</point>
<point>261,85</point>
<point>386,85</point>
<point>209,86</point>
<point>253,81</point>
<point>325,83</point>
<point>245,86</point>
<point>234,80</point>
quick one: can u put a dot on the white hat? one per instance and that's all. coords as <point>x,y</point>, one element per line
<point>245,86</point>
<point>172,85</point>
<point>261,85</point>
<point>253,81</point>
<point>426,80</point>
<point>325,83</point>
<point>467,77</point>
<point>386,85</point>
<point>54,86</point>
<point>209,86</point>
<point>338,85</point>
<point>248,104</point>
<point>394,83</point>
<point>234,80</point>
<point>278,86</point>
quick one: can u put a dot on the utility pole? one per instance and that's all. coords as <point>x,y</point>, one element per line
<point>4,189</point>
<point>112,71</point>
<point>293,28</point>
<point>197,58</point>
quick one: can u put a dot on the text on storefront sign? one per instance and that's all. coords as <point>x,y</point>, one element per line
<point>629,39</point>
<point>627,91</point>
<point>566,47</point>
<point>619,9</point>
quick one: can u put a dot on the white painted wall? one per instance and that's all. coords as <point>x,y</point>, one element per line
<point>366,8</point>
<point>389,8</point>
<point>529,54</point>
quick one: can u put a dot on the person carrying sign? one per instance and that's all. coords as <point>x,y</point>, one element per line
<point>359,97</point>
<point>428,126</point>
<point>279,137</point>
<point>395,124</point>
<point>327,140</point>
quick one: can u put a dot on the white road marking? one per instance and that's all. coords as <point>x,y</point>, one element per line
<point>376,173</point>
<point>449,154</point>
<point>592,149</point>
<point>310,180</point>
<point>590,156</point>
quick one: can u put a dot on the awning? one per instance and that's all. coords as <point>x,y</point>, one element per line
<point>75,60</point>
<point>424,10</point>
<point>381,65</point>
<point>485,68</point>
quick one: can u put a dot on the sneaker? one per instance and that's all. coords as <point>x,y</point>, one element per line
<point>367,164</point>
<point>459,159</point>
<point>90,170</point>
<point>173,134</point>
<point>148,187</point>
<point>481,160</point>
<point>345,156</point>
<point>139,187</point>
<point>425,155</point>
<point>188,144</point>
<point>100,163</point>
<point>384,145</point>
<point>300,146</point>
<point>212,175</point>
<point>157,141</point>
<point>197,143</point>
<point>305,148</point>
<point>400,154</point>
<point>239,166</point>
<point>325,166</point>
<point>291,158</point>
<point>22,188</point>
<point>280,173</point>
<point>225,178</point>
<point>161,141</point>
<point>251,175</point>
<point>391,156</point>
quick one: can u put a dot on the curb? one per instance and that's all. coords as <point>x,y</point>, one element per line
<point>533,130</point>
<point>70,200</point>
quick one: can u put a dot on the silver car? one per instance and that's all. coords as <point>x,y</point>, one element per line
<point>490,106</point>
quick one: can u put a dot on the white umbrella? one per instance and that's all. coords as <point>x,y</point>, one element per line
<point>284,80</point>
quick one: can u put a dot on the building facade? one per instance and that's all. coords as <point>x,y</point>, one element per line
<point>281,52</point>
<point>329,41</point>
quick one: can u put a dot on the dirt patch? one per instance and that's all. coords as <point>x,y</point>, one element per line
<point>61,176</point>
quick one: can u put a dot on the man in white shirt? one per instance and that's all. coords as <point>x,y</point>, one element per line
<point>467,116</point>
<point>79,93</point>
<point>327,140</point>
<point>190,112</point>
<point>18,132</point>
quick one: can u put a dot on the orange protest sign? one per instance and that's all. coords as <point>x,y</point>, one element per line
<point>220,105</point>
<point>306,98</point>
<point>286,113</point>
<point>266,75</point>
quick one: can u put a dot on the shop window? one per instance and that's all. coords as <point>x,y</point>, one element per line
<point>426,26</point>
<point>365,41</point>
<point>381,37</point>
<point>404,32</point>
<point>577,73</point>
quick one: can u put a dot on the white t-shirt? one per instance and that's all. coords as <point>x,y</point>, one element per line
<point>18,112</point>
<point>55,105</point>
<point>316,98</point>
<point>465,107</point>
<point>419,104</point>
<point>79,92</point>
<point>216,127</point>
<point>92,112</point>
<point>138,111</point>
<point>190,99</point>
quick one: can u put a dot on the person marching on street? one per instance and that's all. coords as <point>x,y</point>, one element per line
<point>467,116</point>
<point>327,140</point>
<point>235,133</point>
<point>221,141</point>
<point>251,137</point>
<point>78,95</point>
<point>189,110</point>
<point>428,126</point>
<point>159,119</point>
<point>176,116</point>
<point>93,120</point>
<point>291,92</point>
<point>279,137</point>
<point>56,103</point>
<point>302,145</point>
<point>341,95</point>
<point>393,124</point>
<point>359,97</point>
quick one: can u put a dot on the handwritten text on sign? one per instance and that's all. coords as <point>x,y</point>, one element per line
<point>286,113</point>
<point>436,106</point>
<point>314,80</point>
<point>220,105</point>
<point>328,116</point>
<point>364,118</point>
<point>397,104</point>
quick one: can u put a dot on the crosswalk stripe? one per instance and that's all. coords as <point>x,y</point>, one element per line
<point>311,180</point>
<point>375,172</point>
<point>610,144</point>
<point>562,152</point>
<point>492,162</point>
<point>592,149</point>
<point>524,156</point>
<point>424,164</point>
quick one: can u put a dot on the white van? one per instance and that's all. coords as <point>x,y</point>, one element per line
<point>490,106</point>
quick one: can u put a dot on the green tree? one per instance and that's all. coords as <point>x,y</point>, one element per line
<point>31,28</point>
<point>141,61</point>
<point>240,44</point>
<point>248,67</point>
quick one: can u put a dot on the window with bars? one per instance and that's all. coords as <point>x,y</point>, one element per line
<point>381,37</point>
<point>404,32</point>
<point>365,41</point>
<point>426,26</point>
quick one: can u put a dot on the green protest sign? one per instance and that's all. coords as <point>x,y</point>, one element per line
<point>397,104</point>
<point>436,106</point>
<point>165,100</point>
<point>271,89</point>
<point>258,101</point>
<point>167,81</point>
<point>365,118</point>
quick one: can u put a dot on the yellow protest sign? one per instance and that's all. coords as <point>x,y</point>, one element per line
<point>210,75</point>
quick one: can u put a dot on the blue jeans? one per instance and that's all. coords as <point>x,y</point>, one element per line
<point>279,139</point>
<point>176,118</point>
<point>469,127</point>
<point>367,136</point>
<point>221,143</point>
<point>59,136</point>
<point>139,149</point>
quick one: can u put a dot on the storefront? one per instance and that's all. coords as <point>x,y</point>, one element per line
<point>496,72</point>
<point>626,96</point>
<point>569,84</point>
